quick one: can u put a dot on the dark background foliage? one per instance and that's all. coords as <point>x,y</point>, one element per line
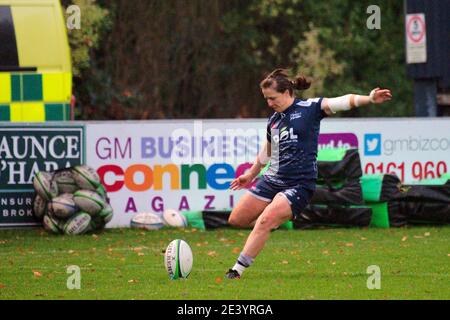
<point>159,59</point>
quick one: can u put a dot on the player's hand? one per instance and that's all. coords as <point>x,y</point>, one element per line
<point>378,95</point>
<point>241,182</point>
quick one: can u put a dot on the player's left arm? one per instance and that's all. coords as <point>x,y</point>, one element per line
<point>350,101</point>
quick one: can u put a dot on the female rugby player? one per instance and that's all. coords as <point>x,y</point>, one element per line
<point>291,147</point>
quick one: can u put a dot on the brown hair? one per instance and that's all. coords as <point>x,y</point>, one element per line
<point>280,78</point>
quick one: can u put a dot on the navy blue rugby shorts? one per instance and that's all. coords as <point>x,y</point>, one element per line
<point>298,196</point>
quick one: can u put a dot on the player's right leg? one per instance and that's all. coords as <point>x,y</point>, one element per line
<point>278,212</point>
<point>247,210</point>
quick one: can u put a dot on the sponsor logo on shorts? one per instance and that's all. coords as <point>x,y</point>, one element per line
<point>290,192</point>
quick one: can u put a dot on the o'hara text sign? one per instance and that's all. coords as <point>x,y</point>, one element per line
<point>26,150</point>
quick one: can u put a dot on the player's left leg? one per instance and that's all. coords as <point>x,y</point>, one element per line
<point>275,214</point>
<point>285,206</point>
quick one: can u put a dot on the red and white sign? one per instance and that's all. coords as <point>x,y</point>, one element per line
<point>416,45</point>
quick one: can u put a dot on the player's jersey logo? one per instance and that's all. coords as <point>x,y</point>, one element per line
<point>284,134</point>
<point>307,103</point>
<point>295,115</point>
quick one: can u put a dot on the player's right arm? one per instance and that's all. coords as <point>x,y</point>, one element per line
<point>350,101</point>
<point>260,162</point>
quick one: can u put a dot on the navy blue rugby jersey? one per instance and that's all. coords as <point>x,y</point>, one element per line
<point>294,136</point>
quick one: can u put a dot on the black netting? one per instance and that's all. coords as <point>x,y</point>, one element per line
<point>347,194</point>
<point>349,168</point>
<point>316,215</point>
<point>215,219</point>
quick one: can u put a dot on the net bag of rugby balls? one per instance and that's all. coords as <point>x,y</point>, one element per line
<point>71,201</point>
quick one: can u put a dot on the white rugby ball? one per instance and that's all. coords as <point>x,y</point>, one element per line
<point>44,185</point>
<point>88,201</point>
<point>50,224</point>
<point>147,220</point>
<point>39,207</point>
<point>174,218</point>
<point>178,259</point>
<point>86,177</point>
<point>78,224</point>
<point>63,206</point>
<point>65,181</point>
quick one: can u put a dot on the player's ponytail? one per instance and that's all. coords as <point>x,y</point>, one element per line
<point>301,83</point>
<point>280,80</point>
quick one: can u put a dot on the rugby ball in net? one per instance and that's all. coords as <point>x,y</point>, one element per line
<point>147,220</point>
<point>45,186</point>
<point>50,224</point>
<point>106,213</point>
<point>78,224</point>
<point>39,207</point>
<point>101,191</point>
<point>97,223</point>
<point>88,201</point>
<point>65,181</point>
<point>174,218</point>
<point>86,177</point>
<point>178,259</point>
<point>63,206</point>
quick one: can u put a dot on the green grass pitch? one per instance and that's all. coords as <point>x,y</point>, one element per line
<point>312,264</point>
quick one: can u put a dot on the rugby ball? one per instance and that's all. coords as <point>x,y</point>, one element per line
<point>88,201</point>
<point>39,207</point>
<point>63,206</point>
<point>44,185</point>
<point>106,213</point>
<point>50,224</point>
<point>101,191</point>
<point>96,224</point>
<point>174,218</point>
<point>108,217</point>
<point>78,224</point>
<point>86,177</point>
<point>147,220</point>
<point>65,181</point>
<point>178,259</point>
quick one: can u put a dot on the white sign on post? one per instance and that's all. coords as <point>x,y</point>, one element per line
<point>416,38</point>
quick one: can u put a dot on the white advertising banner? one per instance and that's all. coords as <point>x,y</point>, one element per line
<point>184,165</point>
<point>414,149</point>
<point>188,164</point>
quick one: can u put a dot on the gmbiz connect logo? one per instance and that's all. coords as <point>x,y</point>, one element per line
<point>374,145</point>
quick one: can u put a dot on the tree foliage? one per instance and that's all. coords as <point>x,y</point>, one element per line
<point>205,59</point>
<point>82,41</point>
